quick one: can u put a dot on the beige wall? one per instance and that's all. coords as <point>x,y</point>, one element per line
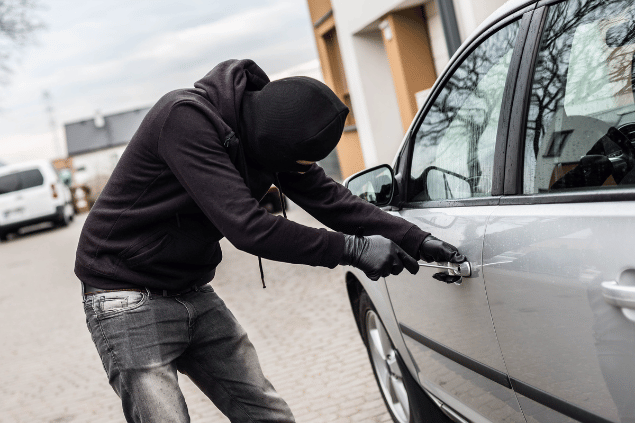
<point>411,62</point>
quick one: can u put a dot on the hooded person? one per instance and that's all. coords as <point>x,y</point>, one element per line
<point>192,174</point>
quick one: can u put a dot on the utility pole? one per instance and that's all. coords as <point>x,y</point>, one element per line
<point>50,111</point>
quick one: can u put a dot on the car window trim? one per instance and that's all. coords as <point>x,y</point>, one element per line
<point>586,196</point>
<point>440,83</point>
<point>514,156</point>
<point>542,3</point>
<point>502,133</point>
<point>463,202</point>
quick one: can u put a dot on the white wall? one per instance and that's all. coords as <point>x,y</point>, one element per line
<point>97,164</point>
<point>380,125</point>
<point>471,13</point>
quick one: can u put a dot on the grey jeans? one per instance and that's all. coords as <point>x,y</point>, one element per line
<point>144,339</point>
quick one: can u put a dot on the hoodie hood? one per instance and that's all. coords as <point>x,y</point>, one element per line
<point>290,119</point>
<point>226,84</point>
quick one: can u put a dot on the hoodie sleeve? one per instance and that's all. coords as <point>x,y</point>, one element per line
<point>334,206</point>
<point>191,146</point>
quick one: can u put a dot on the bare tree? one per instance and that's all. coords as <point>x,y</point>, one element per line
<point>18,23</point>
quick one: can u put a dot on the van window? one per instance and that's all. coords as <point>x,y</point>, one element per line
<point>9,183</point>
<point>31,178</point>
<point>20,180</point>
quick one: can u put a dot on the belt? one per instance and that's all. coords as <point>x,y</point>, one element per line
<point>91,290</point>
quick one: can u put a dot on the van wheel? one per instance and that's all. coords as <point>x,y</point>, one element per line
<point>67,216</point>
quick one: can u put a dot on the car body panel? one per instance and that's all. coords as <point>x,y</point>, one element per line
<point>455,316</point>
<point>12,208</point>
<point>543,267</point>
<point>37,199</point>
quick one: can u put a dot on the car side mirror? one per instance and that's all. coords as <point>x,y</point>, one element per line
<point>441,184</point>
<point>375,185</point>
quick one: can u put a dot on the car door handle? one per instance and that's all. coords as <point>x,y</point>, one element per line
<point>457,269</point>
<point>619,295</point>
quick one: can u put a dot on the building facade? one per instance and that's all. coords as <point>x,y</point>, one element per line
<point>95,146</point>
<point>381,57</point>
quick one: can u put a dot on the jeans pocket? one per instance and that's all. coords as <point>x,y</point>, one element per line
<point>116,302</point>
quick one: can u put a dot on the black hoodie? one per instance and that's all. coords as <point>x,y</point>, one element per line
<point>175,193</point>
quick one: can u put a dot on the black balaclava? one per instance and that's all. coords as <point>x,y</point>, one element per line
<point>290,119</point>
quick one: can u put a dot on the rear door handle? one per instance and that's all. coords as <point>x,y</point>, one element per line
<point>619,295</point>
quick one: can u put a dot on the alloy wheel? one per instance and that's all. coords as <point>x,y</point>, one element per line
<point>384,358</point>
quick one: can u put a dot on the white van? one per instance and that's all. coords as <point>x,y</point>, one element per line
<point>31,192</point>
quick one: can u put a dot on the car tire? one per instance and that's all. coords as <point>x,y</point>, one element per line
<point>405,399</point>
<point>67,217</point>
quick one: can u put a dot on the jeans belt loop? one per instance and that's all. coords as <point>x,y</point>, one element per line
<point>149,293</point>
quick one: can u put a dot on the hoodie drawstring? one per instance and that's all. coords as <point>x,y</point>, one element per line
<point>228,139</point>
<point>284,213</point>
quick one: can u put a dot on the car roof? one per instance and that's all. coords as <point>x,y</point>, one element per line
<point>30,164</point>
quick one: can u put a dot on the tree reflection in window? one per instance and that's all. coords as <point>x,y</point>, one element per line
<point>458,134</point>
<point>582,87</point>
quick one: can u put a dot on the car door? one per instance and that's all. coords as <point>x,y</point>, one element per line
<point>448,328</point>
<point>12,206</point>
<point>558,256</point>
<point>36,196</point>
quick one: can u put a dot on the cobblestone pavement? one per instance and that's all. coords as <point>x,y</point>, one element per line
<point>301,325</point>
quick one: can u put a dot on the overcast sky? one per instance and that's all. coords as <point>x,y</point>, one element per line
<point>123,54</point>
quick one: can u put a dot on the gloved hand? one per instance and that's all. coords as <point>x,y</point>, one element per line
<point>433,249</point>
<point>376,256</point>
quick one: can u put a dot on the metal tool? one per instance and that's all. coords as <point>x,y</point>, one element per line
<point>460,269</point>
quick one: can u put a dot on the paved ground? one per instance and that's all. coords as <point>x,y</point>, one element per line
<point>301,326</point>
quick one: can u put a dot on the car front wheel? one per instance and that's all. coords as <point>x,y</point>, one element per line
<point>405,400</point>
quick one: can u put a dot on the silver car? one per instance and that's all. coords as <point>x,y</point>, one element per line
<point>523,157</point>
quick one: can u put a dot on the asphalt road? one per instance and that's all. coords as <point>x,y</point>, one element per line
<point>301,325</point>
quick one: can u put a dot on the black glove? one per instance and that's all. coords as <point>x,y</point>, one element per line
<point>433,249</point>
<point>376,256</point>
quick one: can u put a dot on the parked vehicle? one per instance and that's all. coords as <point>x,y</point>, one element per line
<point>30,193</point>
<point>523,157</point>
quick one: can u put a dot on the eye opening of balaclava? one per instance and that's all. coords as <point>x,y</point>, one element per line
<point>290,120</point>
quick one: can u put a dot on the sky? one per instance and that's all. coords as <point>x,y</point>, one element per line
<point>121,55</point>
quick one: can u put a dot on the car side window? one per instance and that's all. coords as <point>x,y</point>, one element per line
<point>453,154</point>
<point>581,121</point>
<point>31,178</point>
<point>9,183</point>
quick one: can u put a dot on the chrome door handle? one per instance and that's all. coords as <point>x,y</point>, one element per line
<point>620,296</point>
<point>457,269</point>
